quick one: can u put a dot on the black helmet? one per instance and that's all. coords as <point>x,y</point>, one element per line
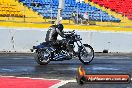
<point>60,27</point>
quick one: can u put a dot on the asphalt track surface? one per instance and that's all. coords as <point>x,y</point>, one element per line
<point>26,66</point>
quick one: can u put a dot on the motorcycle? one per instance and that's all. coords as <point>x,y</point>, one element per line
<point>45,52</point>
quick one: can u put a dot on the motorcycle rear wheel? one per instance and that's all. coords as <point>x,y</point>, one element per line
<point>42,57</point>
<point>86,54</point>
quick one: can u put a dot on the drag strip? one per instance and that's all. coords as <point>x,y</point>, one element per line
<point>26,66</point>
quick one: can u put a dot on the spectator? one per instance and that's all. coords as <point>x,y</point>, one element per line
<point>74,17</point>
<point>85,16</point>
<point>80,18</point>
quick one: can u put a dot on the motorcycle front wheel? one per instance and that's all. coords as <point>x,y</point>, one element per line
<point>86,54</point>
<point>42,57</point>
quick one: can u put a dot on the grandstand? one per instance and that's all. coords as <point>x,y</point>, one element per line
<point>45,11</point>
<point>48,9</point>
<point>9,9</point>
<point>12,10</point>
<point>123,7</point>
<point>118,8</point>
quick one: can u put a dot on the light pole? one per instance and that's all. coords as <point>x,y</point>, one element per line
<point>78,2</point>
<point>24,13</point>
<point>51,8</point>
<point>60,9</point>
<point>77,12</point>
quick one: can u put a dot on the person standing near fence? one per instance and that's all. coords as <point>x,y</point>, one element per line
<point>86,16</point>
<point>74,17</point>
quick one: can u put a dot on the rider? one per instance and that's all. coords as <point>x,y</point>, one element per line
<point>53,33</point>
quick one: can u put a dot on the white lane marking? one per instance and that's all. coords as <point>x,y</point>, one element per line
<point>4,69</point>
<point>17,58</point>
<point>63,82</point>
<point>28,78</point>
<point>103,68</point>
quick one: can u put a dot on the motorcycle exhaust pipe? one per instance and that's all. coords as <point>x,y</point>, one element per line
<point>59,58</point>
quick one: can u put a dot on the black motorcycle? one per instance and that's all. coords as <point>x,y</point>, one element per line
<point>45,52</point>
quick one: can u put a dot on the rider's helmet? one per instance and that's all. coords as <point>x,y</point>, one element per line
<point>60,27</point>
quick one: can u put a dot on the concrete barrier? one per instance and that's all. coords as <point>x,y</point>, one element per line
<point>25,39</point>
<point>6,39</point>
<point>22,39</point>
<point>112,41</point>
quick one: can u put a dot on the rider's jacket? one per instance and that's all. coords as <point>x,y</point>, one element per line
<point>53,32</point>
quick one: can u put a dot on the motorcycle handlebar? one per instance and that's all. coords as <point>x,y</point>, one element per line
<point>75,36</point>
<point>70,31</point>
